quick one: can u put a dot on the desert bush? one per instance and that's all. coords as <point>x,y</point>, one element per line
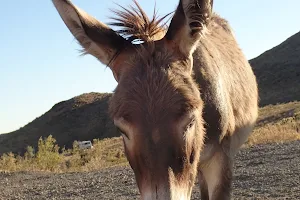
<point>48,157</point>
<point>8,162</point>
<point>106,153</point>
<point>30,152</point>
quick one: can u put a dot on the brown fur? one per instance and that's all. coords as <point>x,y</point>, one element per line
<point>186,98</point>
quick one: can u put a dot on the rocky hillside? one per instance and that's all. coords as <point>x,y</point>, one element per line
<point>84,117</point>
<point>278,72</point>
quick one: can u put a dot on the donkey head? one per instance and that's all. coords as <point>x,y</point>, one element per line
<point>156,105</point>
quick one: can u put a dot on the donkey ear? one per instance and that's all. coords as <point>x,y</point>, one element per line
<point>188,24</point>
<point>95,37</point>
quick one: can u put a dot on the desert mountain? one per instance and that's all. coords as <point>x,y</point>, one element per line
<point>84,117</point>
<point>278,72</point>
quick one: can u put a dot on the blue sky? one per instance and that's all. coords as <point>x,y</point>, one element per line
<point>40,64</point>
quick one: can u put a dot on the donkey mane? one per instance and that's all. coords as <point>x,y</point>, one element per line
<point>134,25</point>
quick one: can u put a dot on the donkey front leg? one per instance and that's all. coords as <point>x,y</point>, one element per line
<point>215,177</point>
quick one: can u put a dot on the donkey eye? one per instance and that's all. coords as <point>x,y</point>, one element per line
<point>123,133</point>
<point>192,156</point>
<point>190,124</point>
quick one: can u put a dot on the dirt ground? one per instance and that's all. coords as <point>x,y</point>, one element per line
<point>261,172</point>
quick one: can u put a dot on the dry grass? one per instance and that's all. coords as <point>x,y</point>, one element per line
<point>277,124</point>
<point>285,130</point>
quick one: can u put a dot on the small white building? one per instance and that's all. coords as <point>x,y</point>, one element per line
<point>85,144</point>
